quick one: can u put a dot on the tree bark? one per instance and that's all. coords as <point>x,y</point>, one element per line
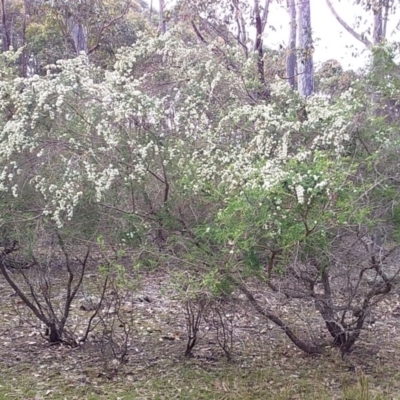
<point>24,56</point>
<point>291,50</point>
<point>78,35</point>
<point>163,23</point>
<point>305,67</point>
<point>261,21</point>
<point>258,46</point>
<point>385,17</point>
<point>264,18</point>
<point>241,25</point>
<point>378,23</point>
<point>6,42</point>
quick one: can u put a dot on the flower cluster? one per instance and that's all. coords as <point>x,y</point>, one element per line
<point>87,132</point>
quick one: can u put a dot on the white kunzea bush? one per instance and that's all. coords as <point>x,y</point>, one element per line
<point>76,132</point>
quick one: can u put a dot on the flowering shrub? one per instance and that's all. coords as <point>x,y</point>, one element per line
<point>174,144</point>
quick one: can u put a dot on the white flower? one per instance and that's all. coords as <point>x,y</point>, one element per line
<point>300,194</point>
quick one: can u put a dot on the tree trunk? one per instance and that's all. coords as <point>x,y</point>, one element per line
<point>385,17</point>
<point>6,42</point>
<point>291,50</point>
<point>378,22</point>
<point>305,67</point>
<point>78,34</point>
<point>258,46</point>
<point>25,55</point>
<point>54,333</point>
<point>380,9</point>
<point>163,23</point>
<point>240,24</point>
<point>261,21</point>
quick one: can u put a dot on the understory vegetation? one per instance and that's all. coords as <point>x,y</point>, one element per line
<point>178,221</point>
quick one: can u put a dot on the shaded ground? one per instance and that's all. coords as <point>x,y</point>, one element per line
<point>265,365</point>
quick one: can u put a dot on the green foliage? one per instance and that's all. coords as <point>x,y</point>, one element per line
<point>169,156</point>
<point>314,197</point>
<point>45,43</point>
<point>396,221</point>
<point>8,66</point>
<point>109,139</point>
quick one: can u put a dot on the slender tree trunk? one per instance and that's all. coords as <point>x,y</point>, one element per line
<point>163,23</point>
<point>264,18</point>
<point>305,67</point>
<point>25,55</point>
<point>6,42</point>
<point>291,50</point>
<point>78,34</point>
<point>378,22</point>
<point>386,17</point>
<point>258,46</point>
<point>151,10</point>
<point>241,25</point>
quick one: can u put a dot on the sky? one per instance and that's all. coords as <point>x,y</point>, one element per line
<point>332,41</point>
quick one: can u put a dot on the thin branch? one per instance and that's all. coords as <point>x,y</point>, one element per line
<point>264,18</point>
<point>348,28</point>
<point>92,317</point>
<point>199,35</point>
<point>307,348</point>
<point>106,26</point>
<point>17,290</point>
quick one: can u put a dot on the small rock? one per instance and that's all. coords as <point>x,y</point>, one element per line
<point>89,304</point>
<point>144,299</point>
<point>396,312</point>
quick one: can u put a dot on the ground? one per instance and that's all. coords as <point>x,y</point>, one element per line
<point>264,365</point>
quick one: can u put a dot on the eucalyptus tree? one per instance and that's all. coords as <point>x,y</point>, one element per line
<point>305,67</point>
<point>230,22</point>
<point>163,22</point>
<point>52,30</point>
<point>6,41</point>
<point>380,10</point>
<point>291,48</point>
<point>260,23</point>
<point>86,21</point>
